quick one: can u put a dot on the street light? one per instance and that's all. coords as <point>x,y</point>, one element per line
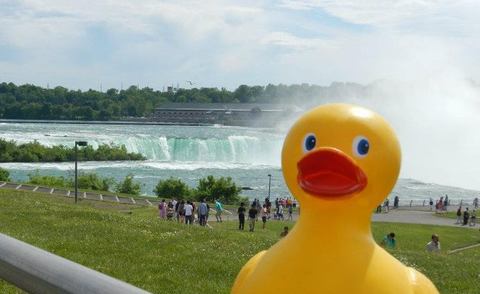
<point>77,143</point>
<point>269,184</point>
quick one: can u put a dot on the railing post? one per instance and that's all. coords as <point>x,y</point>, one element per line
<point>38,271</point>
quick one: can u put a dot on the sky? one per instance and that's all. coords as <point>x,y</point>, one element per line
<point>420,56</point>
<point>82,44</point>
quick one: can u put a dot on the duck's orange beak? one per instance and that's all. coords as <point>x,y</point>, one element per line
<point>328,172</point>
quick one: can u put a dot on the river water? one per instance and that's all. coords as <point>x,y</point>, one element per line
<point>247,155</point>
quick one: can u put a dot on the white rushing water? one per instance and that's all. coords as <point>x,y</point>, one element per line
<point>209,145</point>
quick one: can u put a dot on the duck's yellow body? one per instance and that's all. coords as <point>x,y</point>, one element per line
<point>339,161</point>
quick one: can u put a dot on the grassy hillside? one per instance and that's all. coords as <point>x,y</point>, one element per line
<point>133,245</point>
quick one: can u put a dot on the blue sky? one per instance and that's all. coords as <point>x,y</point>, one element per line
<point>80,44</point>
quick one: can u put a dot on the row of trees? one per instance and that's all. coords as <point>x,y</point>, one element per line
<point>33,102</point>
<point>208,188</point>
<point>10,151</point>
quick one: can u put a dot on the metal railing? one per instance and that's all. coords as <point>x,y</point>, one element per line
<point>38,271</point>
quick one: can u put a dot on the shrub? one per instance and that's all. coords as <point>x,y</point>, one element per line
<point>128,186</point>
<point>94,182</point>
<point>172,188</point>
<point>90,181</point>
<point>52,181</point>
<point>4,175</point>
<point>223,189</point>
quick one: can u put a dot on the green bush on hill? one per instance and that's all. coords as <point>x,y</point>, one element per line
<point>223,189</point>
<point>90,181</point>
<point>4,175</point>
<point>10,151</point>
<point>172,188</point>
<point>50,181</point>
<point>128,186</point>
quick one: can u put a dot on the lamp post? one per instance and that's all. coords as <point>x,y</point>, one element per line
<point>77,143</point>
<point>269,184</point>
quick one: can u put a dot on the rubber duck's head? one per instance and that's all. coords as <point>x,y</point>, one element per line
<point>337,154</point>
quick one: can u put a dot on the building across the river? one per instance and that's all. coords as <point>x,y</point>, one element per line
<point>235,114</point>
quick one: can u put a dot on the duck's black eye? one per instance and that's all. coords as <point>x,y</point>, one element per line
<point>309,142</point>
<point>361,146</point>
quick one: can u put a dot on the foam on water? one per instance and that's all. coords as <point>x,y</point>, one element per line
<point>254,148</point>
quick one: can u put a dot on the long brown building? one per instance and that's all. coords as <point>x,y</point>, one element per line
<point>234,114</point>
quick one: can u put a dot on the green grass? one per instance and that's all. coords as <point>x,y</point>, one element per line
<point>166,257</point>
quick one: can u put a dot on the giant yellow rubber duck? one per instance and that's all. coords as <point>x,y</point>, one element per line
<point>339,161</point>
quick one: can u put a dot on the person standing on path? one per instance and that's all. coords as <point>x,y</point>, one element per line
<point>386,205</point>
<point>264,215</point>
<point>202,213</point>
<point>241,216</point>
<point>219,209</point>
<point>181,212</point>
<point>395,202</point>
<point>162,209</point>
<point>466,216</point>
<point>188,213</point>
<point>290,212</point>
<point>175,208</point>
<point>252,217</point>
<point>473,218</point>
<point>459,215</point>
<point>258,207</point>
<point>277,203</point>
<point>170,210</point>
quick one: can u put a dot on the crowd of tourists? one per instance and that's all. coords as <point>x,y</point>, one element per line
<point>265,212</point>
<point>441,205</point>
<point>466,217</point>
<point>385,207</point>
<point>189,212</point>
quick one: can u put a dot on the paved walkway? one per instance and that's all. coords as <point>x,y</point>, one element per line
<point>405,214</point>
<point>415,217</point>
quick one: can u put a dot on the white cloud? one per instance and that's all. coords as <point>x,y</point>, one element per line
<point>221,42</point>
<point>383,12</point>
<point>430,46</point>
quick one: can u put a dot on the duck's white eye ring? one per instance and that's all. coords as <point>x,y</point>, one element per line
<point>360,146</point>
<point>309,142</point>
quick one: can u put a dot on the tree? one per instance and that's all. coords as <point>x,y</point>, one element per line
<point>128,186</point>
<point>172,188</point>
<point>222,188</point>
<point>4,175</point>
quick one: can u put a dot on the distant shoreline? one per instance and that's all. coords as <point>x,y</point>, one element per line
<point>98,122</point>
